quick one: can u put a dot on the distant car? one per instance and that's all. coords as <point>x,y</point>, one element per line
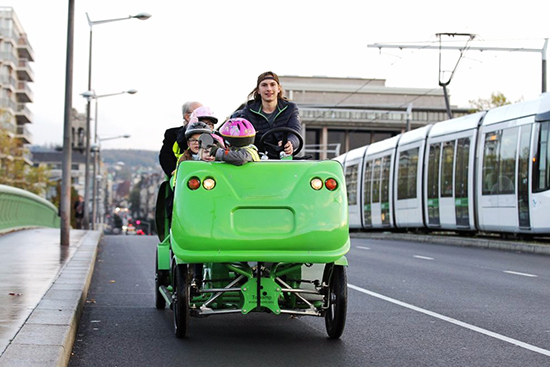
<point>131,230</point>
<point>140,232</point>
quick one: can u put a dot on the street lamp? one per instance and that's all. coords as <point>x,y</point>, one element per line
<point>96,148</point>
<point>140,16</point>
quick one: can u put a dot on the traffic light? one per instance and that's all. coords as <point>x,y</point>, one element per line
<point>138,222</point>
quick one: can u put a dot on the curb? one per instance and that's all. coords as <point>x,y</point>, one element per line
<point>47,337</point>
<point>516,246</point>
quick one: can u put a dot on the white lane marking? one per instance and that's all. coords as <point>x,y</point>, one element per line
<point>363,248</point>
<point>423,257</point>
<point>454,321</point>
<point>522,274</point>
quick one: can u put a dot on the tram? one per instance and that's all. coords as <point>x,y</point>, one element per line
<point>488,171</point>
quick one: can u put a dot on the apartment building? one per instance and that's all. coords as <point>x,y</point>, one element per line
<point>16,54</point>
<point>340,114</point>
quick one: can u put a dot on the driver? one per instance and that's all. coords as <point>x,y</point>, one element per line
<point>268,108</point>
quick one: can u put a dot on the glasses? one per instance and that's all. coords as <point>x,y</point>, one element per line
<point>192,140</point>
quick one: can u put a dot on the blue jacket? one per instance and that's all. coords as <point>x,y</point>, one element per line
<point>287,115</point>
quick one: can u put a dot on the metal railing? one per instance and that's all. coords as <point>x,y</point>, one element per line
<point>20,209</point>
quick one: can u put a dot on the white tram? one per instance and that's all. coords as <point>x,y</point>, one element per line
<point>488,171</point>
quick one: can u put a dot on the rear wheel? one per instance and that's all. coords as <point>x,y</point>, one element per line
<point>181,300</point>
<point>161,278</point>
<point>335,316</point>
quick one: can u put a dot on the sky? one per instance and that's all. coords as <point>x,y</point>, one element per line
<point>213,51</point>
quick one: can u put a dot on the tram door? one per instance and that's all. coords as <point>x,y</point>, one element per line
<point>367,185</point>
<point>499,201</point>
<point>462,170</point>
<point>523,178</point>
<point>433,184</point>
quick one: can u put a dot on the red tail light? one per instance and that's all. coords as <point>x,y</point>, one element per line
<point>331,184</point>
<point>194,183</point>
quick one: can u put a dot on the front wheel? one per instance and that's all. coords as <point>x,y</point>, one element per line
<point>181,300</point>
<point>335,316</point>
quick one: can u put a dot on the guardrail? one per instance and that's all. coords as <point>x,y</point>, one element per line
<point>21,209</point>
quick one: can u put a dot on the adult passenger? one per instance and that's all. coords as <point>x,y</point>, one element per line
<point>167,158</point>
<point>268,108</point>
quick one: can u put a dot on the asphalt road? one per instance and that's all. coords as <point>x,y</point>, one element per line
<point>409,305</point>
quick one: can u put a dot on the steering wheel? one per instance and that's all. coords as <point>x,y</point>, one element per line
<point>285,130</point>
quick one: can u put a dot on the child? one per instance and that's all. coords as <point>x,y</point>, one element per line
<point>207,144</point>
<point>238,134</point>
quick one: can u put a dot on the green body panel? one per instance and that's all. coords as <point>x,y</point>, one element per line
<point>341,261</point>
<point>163,251</point>
<point>261,211</point>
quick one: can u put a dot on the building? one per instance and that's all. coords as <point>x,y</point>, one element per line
<point>16,54</point>
<point>340,114</point>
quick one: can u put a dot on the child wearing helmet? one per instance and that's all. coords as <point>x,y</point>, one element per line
<point>189,136</point>
<point>238,134</point>
<point>205,115</point>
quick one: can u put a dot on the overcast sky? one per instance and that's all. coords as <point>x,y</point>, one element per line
<point>212,51</point>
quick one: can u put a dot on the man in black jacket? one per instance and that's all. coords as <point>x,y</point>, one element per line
<point>167,158</point>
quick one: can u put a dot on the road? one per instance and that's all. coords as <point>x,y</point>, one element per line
<point>409,304</point>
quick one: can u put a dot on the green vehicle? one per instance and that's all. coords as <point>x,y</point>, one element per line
<point>268,236</point>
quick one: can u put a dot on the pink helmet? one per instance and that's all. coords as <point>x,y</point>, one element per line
<point>238,132</point>
<point>203,113</point>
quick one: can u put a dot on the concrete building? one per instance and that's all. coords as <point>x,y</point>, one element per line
<point>16,54</point>
<point>340,114</point>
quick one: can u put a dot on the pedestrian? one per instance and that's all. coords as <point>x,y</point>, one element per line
<point>79,211</point>
<point>166,156</point>
<point>268,108</point>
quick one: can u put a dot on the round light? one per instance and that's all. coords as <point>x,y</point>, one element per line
<point>209,184</point>
<point>316,184</point>
<point>331,184</point>
<point>194,183</point>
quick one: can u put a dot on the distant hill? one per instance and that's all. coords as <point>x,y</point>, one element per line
<point>132,158</point>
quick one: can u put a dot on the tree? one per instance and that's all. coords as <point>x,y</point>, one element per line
<point>497,99</point>
<point>15,172</point>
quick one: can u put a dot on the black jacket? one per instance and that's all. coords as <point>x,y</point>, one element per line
<point>287,115</point>
<point>167,157</point>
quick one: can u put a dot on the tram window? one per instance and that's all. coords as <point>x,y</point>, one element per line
<point>376,181</point>
<point>447,169</point>
<point>385,194</point>
<point>490,168</point>
<point>351,183</point>
<point>541,161</point>
<point>367,194</point>
<point>507,162</point>
<point>408,165</point>
<point>433,171</point>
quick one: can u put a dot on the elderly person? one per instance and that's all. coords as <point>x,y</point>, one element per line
<point>167,158</point>
<point>268,108</point>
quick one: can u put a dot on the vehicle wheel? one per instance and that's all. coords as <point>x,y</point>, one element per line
<point>181,300</point>
<point>335,317</point>
<point>161,278</point>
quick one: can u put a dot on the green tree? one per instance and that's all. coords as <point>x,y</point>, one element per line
<point>497,99</point>
<point>15,172</point>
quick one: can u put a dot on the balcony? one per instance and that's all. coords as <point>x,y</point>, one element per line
<point>8,57</point>
<point>8,104</point>
<point>24,48</point>
<point>24,70</point>
<point>7,127</point>
<point>23,134</point>
<point>23,93</point>
<point>23,114</point>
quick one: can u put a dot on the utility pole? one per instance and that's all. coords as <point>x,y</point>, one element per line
<point>542,51</point>
<point>65,200</point>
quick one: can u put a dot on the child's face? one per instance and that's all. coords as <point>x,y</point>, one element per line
<point>205,155</point>
<point>193,143</point>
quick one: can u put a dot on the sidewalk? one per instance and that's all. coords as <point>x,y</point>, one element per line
<point>489,243</point>
<point>43,288</point>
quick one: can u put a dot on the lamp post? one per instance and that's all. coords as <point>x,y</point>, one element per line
<point>96,148</point>
<point>140,16</point>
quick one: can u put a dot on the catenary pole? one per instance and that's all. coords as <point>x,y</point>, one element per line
<point>65,200</point>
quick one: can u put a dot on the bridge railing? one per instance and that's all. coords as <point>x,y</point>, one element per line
<point>21,209</point>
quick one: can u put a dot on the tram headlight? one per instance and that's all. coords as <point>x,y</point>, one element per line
<point>194,183</point>
<point>209,184</point>
<point>331,184</point>
<point>316,184</point>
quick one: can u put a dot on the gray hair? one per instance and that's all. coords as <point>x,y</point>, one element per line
<point>186,108</point>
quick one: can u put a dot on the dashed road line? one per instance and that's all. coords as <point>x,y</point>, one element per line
<point>423,257</point>
<point>522,274</point>
<point>454,321</point>
<point>363,247</point>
